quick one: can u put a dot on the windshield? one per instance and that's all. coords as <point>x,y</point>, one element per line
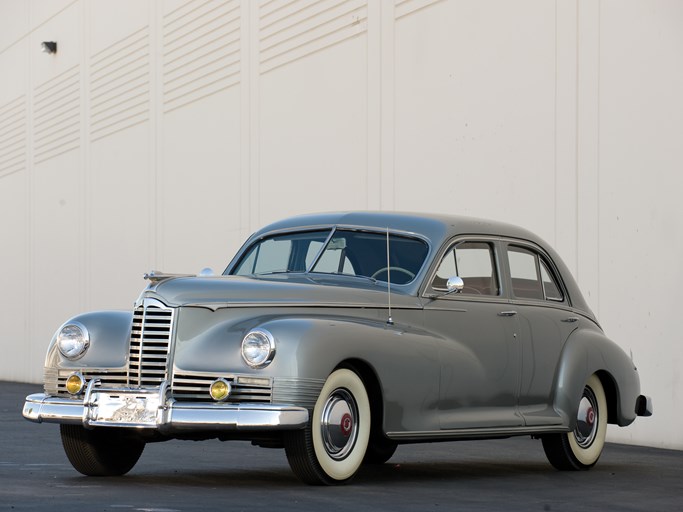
<point>291,252</point>
<point>345,252</point>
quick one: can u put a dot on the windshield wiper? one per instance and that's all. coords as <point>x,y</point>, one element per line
<point>360,276</point>
<point>283,271</point>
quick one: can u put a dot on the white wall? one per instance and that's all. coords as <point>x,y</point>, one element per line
<point>163,132</point>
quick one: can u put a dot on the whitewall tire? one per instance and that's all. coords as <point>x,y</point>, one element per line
<point>580,449</point>
<point>332,447</point>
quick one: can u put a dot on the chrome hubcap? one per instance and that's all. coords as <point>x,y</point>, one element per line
<point>339,425</point>
<point>587,419</point>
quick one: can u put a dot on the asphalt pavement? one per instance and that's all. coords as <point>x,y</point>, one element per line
<point>510,475</point>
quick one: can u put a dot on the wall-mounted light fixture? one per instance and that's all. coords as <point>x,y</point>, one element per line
<point>48,47</point>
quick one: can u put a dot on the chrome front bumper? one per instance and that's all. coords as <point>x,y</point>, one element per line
<point>137,408</point>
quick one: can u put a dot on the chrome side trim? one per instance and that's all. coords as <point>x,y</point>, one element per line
<point>214,306</point>
<point>481,433</point>
<point>174,416</point>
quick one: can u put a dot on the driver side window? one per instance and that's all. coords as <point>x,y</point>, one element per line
<point>474,263</point>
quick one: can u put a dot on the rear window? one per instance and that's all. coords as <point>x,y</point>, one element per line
<point>532,277</point>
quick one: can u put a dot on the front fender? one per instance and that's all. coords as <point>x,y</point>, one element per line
<point>404,359</point>
<point>589,351</point>
<point>109,333</point>
<point>310,345</point>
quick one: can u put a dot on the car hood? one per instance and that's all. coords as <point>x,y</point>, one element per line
<point>281,289</point>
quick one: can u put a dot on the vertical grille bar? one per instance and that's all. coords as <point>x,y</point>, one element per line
<point>150,340</point>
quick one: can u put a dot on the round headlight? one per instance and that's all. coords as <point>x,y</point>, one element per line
<point>258,348</point>
<point>73,340</point>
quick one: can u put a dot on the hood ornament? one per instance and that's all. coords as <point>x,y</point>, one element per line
<point>155,276</point>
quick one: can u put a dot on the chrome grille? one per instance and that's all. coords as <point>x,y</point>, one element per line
<point>195,387</point>
<point>150,341</point>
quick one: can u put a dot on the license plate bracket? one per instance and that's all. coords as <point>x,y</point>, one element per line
<point>125,408</point>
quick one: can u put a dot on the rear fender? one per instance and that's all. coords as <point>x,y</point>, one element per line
<point>587,352</point>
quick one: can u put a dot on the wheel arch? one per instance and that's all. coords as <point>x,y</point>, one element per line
<point>589,352</point>
<point>373,387</point>
<point>611,394</point>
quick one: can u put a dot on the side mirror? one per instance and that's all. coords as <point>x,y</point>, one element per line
<point>455,284</point>
<point>206,272</point>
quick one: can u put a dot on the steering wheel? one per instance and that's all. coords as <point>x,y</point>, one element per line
<point>393,269</point>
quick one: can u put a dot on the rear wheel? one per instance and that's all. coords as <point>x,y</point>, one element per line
<point>331,448</point>
<point>581,448</point>
<point>100,452</point>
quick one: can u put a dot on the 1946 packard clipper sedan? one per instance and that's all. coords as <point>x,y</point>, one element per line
<point>340,336</point>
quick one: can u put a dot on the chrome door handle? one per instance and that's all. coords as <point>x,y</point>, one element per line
<point>570,319</point>
<point>507,313</point>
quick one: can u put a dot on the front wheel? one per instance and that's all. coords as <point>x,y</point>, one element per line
<point>331,448</point>
<point>581,448</point>
<point>100,452</point>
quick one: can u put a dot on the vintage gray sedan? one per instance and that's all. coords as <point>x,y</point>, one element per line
<point>340,336</point>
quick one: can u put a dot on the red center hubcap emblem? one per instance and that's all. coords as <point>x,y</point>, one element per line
<point>590,417</point>
<point>346,424</point>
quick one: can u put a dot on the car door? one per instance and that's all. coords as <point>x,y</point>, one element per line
<point>545,323</point>
<point>479,352</point>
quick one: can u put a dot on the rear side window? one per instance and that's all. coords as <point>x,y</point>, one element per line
<point>474,263</point>
<point>532,277</point>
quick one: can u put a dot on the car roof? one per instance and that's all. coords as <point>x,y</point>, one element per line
<point>436,228</point>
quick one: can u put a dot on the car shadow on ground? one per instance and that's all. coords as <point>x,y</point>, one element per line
<point>375,475</point>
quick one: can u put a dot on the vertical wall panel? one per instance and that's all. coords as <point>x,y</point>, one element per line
<point>566,207</point>
<point>641,240</point>
<point>57,115</point>
<point>15,274</point>
<point>200,190</point>
<point>119,213</point>
<point>201,51</point>
<point>313,110</point>
<point>56,176</point>
<point>119,84</point>
<point>13,143</point>
<point>475,110</point>
<point>57,250</point>
<point>120,163</point>
<point>13,279</point>
<point>588,150</point>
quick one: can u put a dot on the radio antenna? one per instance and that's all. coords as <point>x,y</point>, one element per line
<point>391,320</point>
